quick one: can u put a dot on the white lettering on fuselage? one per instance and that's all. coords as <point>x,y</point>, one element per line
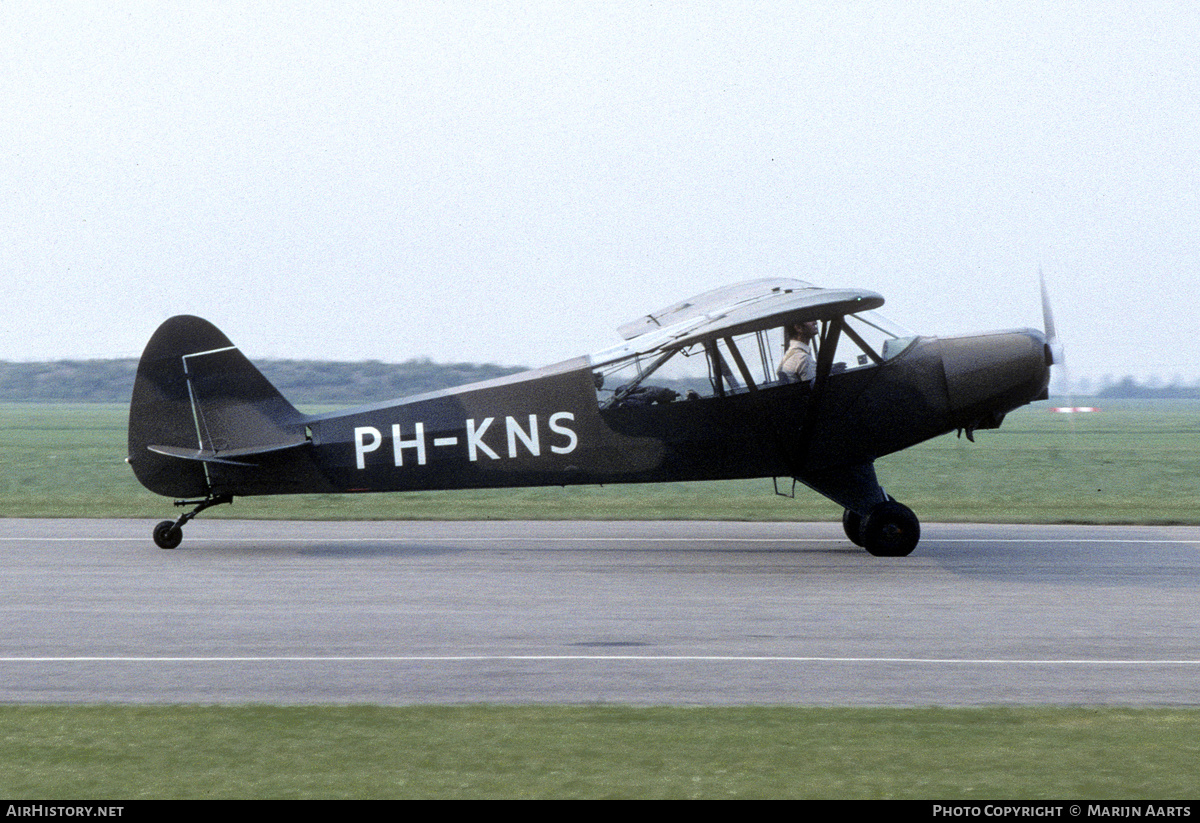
<point>556,427</point>
<point>361,446</point>
<point>416,442</point>
<point>530,440</point>
<point>521,437</point>
<point>475,442</point>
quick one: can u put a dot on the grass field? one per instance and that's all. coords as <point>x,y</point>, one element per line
<point>1133,462</point>
<point>129,752</point>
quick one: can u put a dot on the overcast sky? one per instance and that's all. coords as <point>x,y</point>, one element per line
<point>510,181</point>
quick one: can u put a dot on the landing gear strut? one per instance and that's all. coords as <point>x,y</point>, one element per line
<point>169,533</point>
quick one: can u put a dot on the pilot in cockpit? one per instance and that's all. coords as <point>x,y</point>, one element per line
<point>798,365</point>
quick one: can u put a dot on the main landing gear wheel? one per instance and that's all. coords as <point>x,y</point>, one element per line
<point>852,525</point>
<point>891,530</point>
<point>167,535</point>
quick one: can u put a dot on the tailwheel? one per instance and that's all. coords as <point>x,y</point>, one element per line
<point>167,535</point>
<point>852,525</point>
<point>891,530</point>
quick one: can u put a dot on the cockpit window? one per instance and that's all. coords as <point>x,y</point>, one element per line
<point>715,368</point>
<point>712,368</point>
<point>654,378</point>
<point>869,339</point>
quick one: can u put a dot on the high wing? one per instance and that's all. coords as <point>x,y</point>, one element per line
<point>734,310</point>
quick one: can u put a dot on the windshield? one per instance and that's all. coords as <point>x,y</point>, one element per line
<point>871,338</point>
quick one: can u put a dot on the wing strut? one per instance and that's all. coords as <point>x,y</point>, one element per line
<point>828,347</point>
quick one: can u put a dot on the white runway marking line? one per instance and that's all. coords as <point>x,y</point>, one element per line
<point>942,661</point>
<point>550,539</point>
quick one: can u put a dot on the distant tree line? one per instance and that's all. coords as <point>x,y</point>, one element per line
<point>67,381</point>
<point>1127,387</point>
<point>301,381</point>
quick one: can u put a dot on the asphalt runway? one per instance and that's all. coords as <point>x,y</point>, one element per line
<point>583,612</point>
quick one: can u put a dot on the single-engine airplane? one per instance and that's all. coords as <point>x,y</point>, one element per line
<point>206,426</point>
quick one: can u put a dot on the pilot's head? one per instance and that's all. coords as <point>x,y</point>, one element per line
<point>803,331</point>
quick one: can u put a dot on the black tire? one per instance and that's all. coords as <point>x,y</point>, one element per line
<point>852,525</point>
<point>167,535</point>
<point>891,530</point>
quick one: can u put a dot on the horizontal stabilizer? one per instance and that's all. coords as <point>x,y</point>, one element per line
<point>226,456</point>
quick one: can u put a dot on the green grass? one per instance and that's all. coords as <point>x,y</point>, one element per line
<point>130,752</point>
<point>1134,462</point>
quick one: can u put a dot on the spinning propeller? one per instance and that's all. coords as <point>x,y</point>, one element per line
<point>1057,357</point>
<point>1053,345</point>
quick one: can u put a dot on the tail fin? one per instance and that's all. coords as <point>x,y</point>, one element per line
<point>198,403</point>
